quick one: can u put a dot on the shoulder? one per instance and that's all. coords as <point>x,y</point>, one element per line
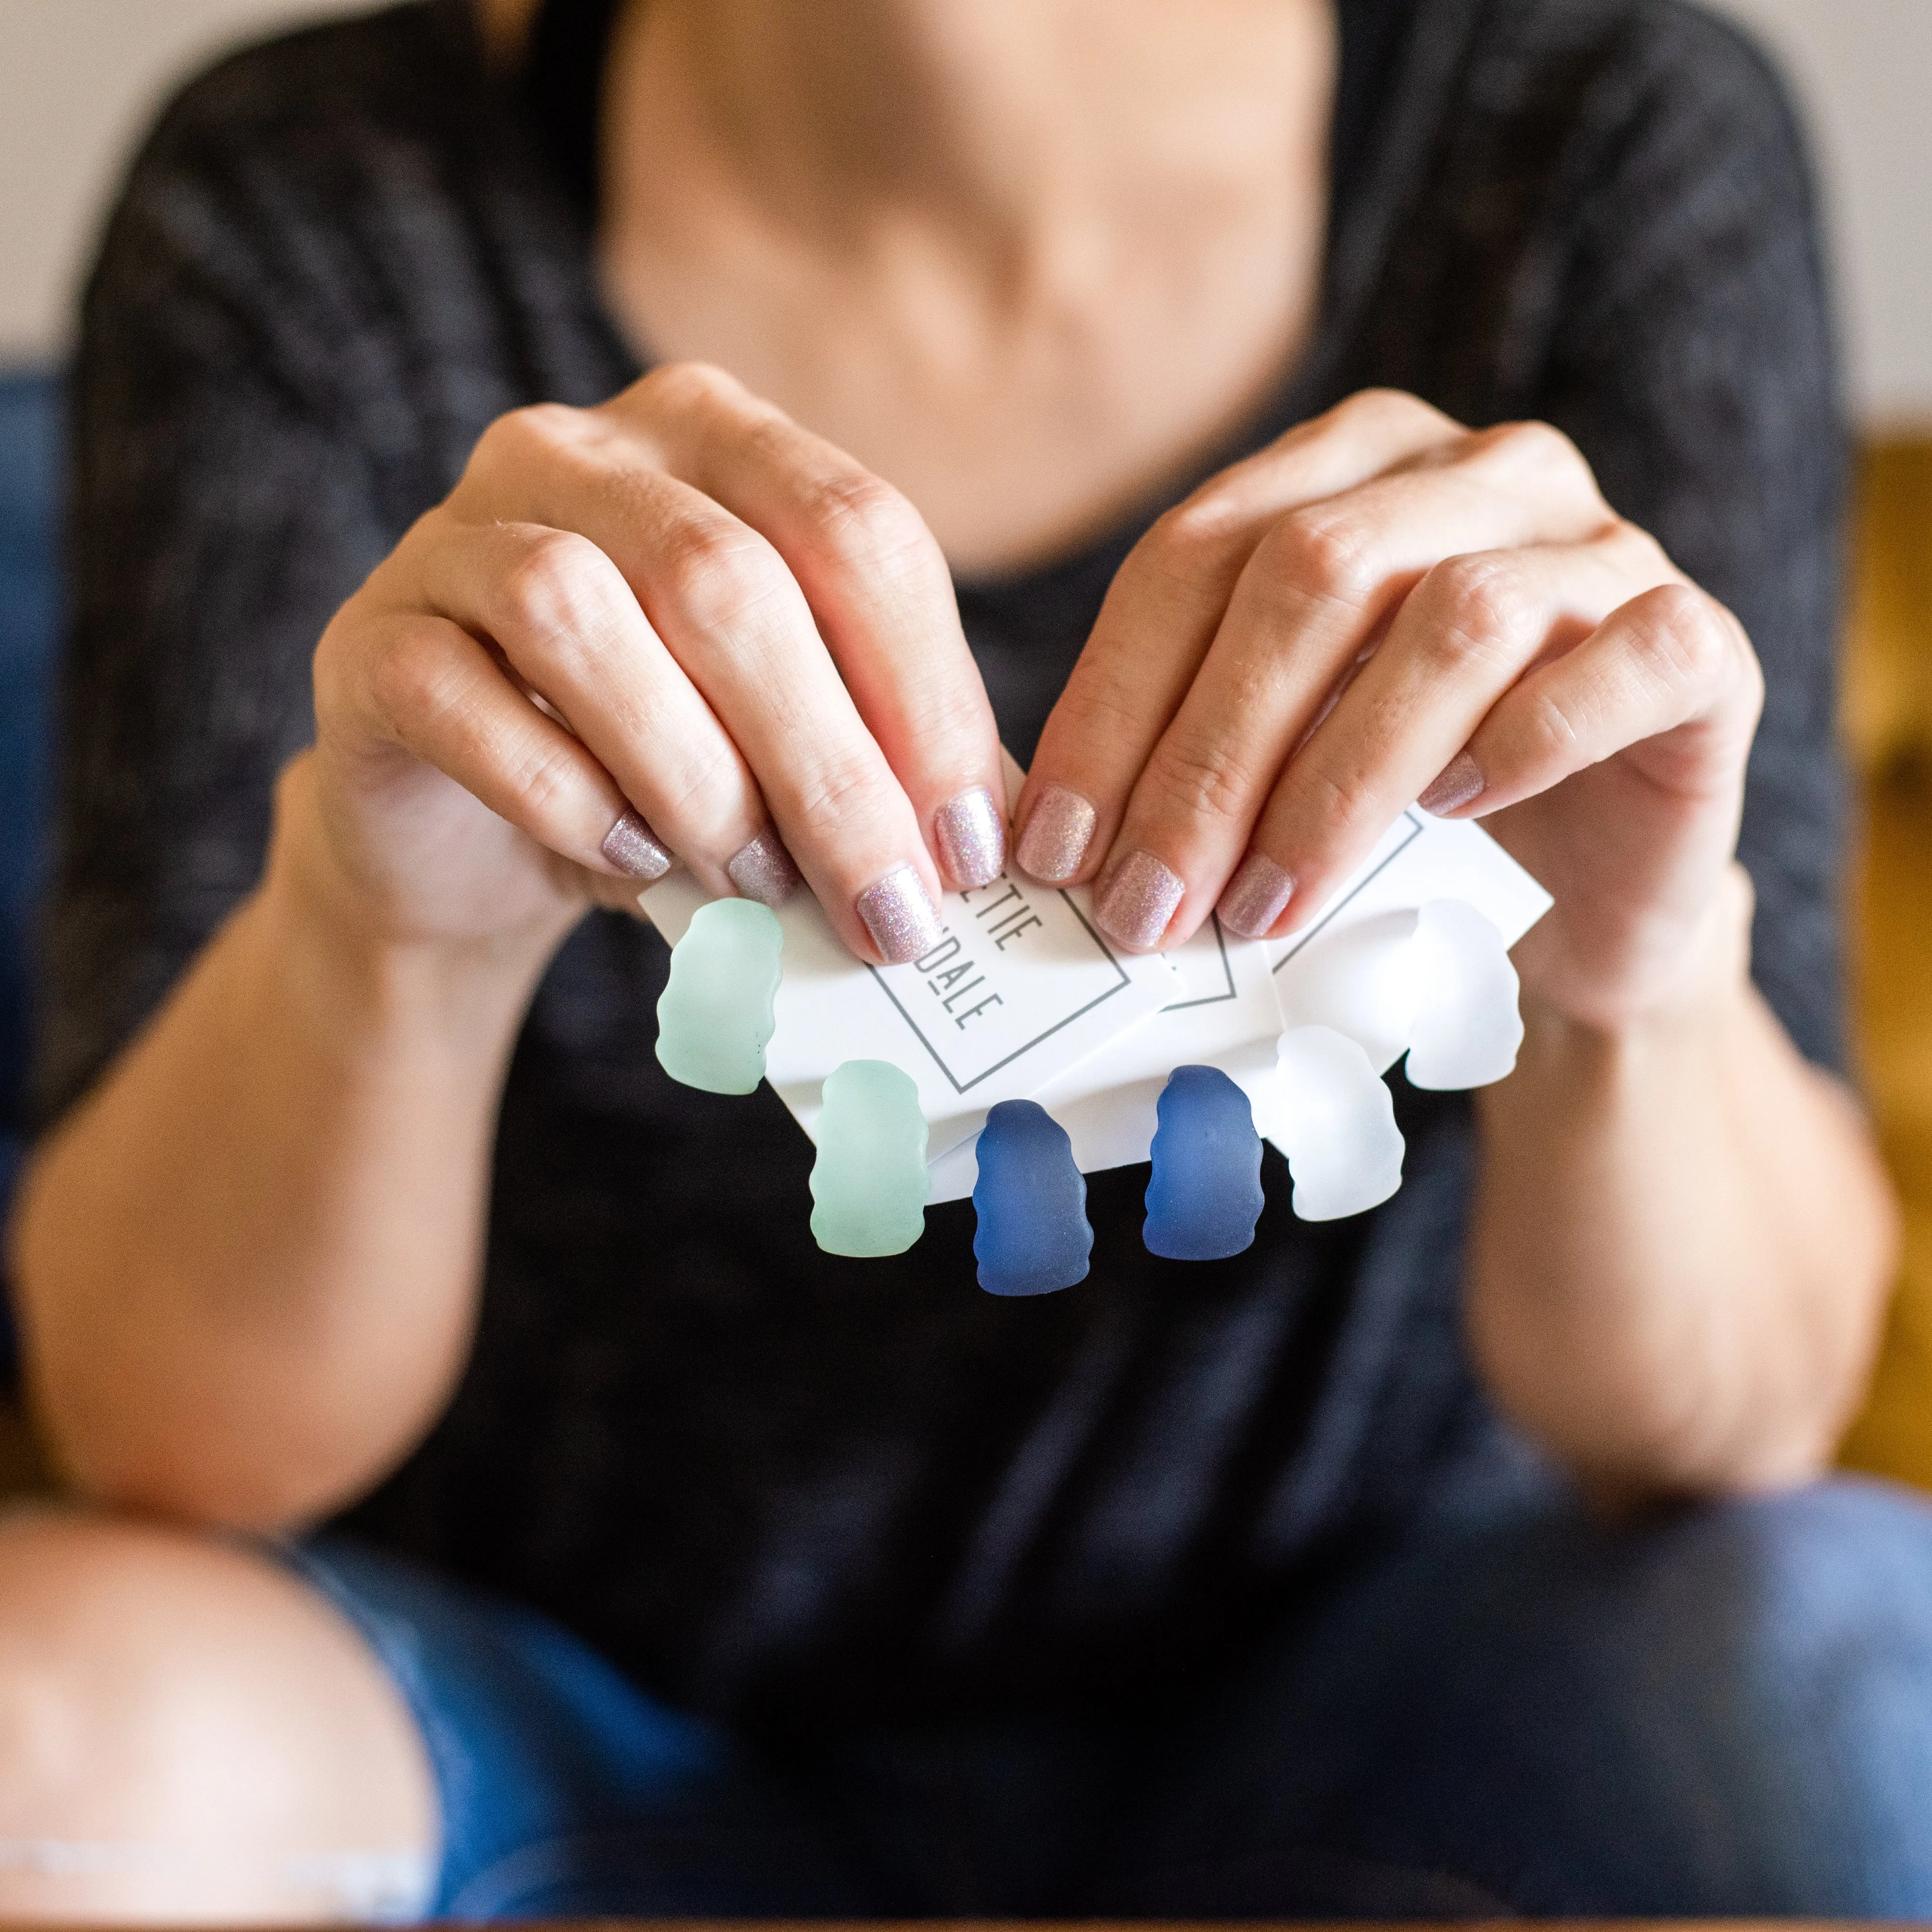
<point>326,213</point>
<point>1608,81</point>
<point>335,130</point>
<point>342,79</point>
<point>1569,162</point>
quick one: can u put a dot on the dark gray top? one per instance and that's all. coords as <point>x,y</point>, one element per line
<point>771,1483</point>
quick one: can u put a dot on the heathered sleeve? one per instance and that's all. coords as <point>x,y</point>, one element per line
<point>1695,365</point>
<point>219,510</point>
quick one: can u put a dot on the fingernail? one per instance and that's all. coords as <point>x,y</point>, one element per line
<point>1458,783</point>
<point>1058,831</point>
<point>899,915</point>
<point>1139,901</point>
<point>1255,898</point>
<point>970,832</point>
<point>632,847</point>
<point>763,870</point>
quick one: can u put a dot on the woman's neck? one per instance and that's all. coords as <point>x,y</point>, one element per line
<point>1030,259</point>
<point>1003,123</point>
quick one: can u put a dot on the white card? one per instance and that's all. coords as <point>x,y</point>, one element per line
<point>1347,970</point>
<point>1020,988</point>
<point>1227,1016</point>
<point>1328,973</point>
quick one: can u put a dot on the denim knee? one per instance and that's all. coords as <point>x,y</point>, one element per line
<point>1749,1688</point>
<point>1721,1709</point>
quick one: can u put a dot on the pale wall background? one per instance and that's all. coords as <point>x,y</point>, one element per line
<point>78,78</point>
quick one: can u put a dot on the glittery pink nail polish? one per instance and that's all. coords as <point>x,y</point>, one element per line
<point>1255,898</point>
<point>632,847</point>
<point>1459,783</point>
<point>1058,831</point>
<point>763,870</point>
<point>899,914</point>
<point>1140,899</point>
<point>970,832</point>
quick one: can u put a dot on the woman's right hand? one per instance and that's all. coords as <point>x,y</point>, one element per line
<point>754,639</point>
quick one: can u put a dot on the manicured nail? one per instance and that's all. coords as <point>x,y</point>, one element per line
<point>1058,831</point>
<point>632,847</point>
<point>1459,783</point>
<point>1255,898</point>
<point>899,915</point>
<point>763,870</point>
<point>970,832</point>
<point>1139,901</point>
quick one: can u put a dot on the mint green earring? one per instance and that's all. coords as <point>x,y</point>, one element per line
<point>869,1183</point>
<point>714,1014</point>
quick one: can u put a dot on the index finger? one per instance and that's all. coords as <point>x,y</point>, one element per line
<point>1164,609</point>
<point>878,586</point>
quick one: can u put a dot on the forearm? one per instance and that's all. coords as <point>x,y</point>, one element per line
<point>1682,1242</point>
<point>247,1262</point>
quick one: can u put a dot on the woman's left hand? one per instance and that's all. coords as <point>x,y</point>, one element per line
<point>1382,606</point>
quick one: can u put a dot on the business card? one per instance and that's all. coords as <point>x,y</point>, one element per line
<point>1021,986</point>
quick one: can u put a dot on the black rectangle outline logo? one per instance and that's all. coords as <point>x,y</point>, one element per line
<point>1125,981</point>
<point>1227,971</point>
<point>1414,833</point>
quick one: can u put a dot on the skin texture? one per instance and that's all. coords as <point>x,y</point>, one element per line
<point>939,248</point>
<point>191,1710</point>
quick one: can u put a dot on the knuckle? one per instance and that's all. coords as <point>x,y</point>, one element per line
<point>1685,636</point>
<point>716,573</point>
<point>541,776</point>
<point>870,528</point>
<point>1324,552</point>
<point>1332,801</point>
<point>1549,734</point>
<point>698,780</point>
<point>677,388</point>
<point>1698,643</point>
<point>1533,445</point>
<point>560,590</point>
<point>1637,551</point>
<point>532,435</point>
<point>1394,410</point>
<point>412,684</point>
<point>1200,780</point>
<point>838,794</point>
<point>1194,536</point>
<point>1101,704</point>
<point>1478,607</point>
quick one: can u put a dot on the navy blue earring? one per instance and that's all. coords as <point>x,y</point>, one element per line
<point>1205,1194</point>
<point>1033,1236</point>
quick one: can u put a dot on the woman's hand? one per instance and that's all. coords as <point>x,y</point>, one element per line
<point>1381,606</point>
<point>754,643</point>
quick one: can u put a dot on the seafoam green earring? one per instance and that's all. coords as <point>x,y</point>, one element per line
<point>714,1014</point>
<point>869,1183</point>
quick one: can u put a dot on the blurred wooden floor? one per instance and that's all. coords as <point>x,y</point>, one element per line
<point>1894,977</point>
<point>1887,714</point>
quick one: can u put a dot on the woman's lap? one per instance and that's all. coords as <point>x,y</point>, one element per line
<point>1728,1709</point>
<point>1724,1710</point>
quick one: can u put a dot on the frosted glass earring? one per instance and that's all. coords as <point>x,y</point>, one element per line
<point>869,1183</point>
<point>1033,1236</point>
<point>714,1014</point>
<point>1205,1194</point>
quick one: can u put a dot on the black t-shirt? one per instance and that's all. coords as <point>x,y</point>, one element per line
<point>771,1483</point>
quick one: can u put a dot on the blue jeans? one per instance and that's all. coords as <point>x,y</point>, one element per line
<point>1725,1710</point>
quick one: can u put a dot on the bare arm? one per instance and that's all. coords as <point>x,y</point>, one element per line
<point>1682,1240</point>
<point>249,1259</point>
<point>1682,1236</point>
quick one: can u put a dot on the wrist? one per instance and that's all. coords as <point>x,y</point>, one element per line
<point>1690,1008</point>
<point>466,994</point>
<point>1706,975</point>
